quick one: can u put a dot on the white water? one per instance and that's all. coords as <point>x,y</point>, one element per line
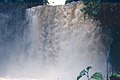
<point>57,44</point>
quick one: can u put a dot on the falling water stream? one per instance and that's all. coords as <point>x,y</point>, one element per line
<point>50,43</point>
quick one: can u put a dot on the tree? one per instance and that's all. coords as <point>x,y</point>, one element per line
<point>40,2</point>
<point>111,1</point>
<point>69,1</point>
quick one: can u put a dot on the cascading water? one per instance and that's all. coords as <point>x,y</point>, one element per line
<point>55,43</point>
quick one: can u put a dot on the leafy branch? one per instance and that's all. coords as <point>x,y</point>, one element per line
<point>85,72</point>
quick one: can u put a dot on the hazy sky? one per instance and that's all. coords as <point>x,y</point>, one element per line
<point>56,2</point>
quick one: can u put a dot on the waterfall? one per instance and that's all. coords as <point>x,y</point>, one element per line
<point>55,43</point>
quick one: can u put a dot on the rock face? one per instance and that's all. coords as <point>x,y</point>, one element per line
<point>56,43</point>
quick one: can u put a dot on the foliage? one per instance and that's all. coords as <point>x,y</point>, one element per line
<point>85,72</point>
<point>41,2</point>
<point>82,73</point>
<point>69,1</point>
<point>97,76</point>
<point>115,77</point>
<point>102,1</point>
<point>91,7</point>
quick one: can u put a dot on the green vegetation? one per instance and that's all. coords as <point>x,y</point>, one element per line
<point>115,77</point>
<point>85,72</point>
<point>69,1</point>
<point>102,1</point>
<point>91,8</point>
<point>41,2</point>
